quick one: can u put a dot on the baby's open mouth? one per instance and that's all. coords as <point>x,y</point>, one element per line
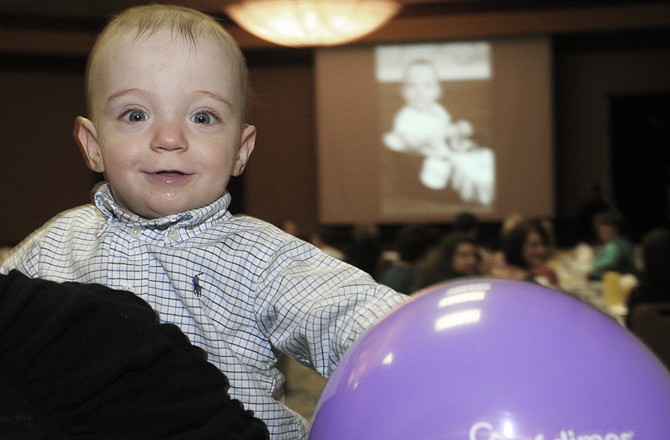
<point>169,176</point>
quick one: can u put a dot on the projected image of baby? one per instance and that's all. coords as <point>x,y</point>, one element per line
<point>423,126</point>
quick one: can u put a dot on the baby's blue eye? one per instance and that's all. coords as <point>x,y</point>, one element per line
<point>202,118</point>
<point>135,116</point>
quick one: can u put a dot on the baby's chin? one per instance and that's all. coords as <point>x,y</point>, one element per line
<point>154,211</point>
<point>166,204</point>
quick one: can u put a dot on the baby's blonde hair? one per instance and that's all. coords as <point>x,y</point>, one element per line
<point>189,24</point>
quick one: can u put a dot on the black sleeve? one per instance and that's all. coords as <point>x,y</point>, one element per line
<point>88,362</point>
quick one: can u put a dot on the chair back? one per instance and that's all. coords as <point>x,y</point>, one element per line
<point>651,323</point>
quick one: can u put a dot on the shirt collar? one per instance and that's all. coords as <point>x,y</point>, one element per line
<point>104,200</point>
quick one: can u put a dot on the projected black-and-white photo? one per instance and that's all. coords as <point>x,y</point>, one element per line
<point>434,102</point>
<point>414,132</point>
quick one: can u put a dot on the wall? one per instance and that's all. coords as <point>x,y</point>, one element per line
<point>42,171</point>
<point>584,82</point>
<point>280,180</point>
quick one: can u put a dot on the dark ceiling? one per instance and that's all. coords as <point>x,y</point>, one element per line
<point>68,27</point>
<point>92,13</point>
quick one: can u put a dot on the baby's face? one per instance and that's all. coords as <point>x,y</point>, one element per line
<point>168,124</point>
<point>421,88</point>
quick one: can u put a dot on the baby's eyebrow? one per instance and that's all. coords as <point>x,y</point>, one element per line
<point>216,97</point>
<point>122,93</point>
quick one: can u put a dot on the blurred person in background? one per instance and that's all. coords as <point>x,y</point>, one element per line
<point>456,256</point>
<point>615,252</point>
<point>413,244</point>
<point>526,250</point>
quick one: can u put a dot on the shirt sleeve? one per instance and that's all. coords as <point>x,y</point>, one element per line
<point>47,250</point>
<point>24,257</point>
<point>313,307</point>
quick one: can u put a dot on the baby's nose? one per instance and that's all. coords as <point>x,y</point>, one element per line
<point>169,137</point>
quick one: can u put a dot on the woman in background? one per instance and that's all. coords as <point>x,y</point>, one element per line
<point>456,256</point>
<point>526,249</point>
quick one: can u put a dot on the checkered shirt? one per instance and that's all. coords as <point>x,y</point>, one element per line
<point>240,288</point>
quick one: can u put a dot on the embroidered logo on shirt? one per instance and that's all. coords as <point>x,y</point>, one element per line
<point>197,288</point>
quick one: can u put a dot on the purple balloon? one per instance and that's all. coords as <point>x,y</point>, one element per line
<point>484,359</point>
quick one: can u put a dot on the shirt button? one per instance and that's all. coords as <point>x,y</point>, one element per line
<point>135,232</point>
<point>127,287</point>
<point>173,235</point>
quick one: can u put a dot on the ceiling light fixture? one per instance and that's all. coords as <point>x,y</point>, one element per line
<point>301,23</point>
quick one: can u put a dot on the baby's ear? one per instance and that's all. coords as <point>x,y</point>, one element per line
<point>86,136</point>
<point>247,144</point>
